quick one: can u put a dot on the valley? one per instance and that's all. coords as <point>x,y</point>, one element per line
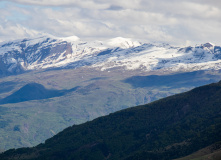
<point>166,129</point>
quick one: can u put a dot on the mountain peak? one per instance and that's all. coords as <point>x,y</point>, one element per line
<point>208,45</point>
<point>123,42</point>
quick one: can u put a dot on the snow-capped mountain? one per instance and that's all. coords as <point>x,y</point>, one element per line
<point>50,52</point>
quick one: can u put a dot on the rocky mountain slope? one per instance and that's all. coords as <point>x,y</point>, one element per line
<point>50,52</point>
<point>165,129</point>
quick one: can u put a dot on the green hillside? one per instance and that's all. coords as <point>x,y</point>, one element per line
<point>165,129</point>
<point>28,123</point>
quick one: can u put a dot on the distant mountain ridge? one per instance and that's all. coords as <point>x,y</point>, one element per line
<point>50,52</point>
<point>166,129</point>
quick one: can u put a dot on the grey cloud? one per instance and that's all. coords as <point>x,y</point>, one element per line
<point>114,7</point>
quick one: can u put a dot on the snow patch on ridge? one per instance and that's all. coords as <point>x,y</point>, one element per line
<point>70,39</point>
<point>51,52</point>
<point>122,43</point>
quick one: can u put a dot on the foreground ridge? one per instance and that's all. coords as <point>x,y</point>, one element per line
<point>169,128</point>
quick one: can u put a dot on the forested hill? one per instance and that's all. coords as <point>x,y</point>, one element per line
<point>169,128</point>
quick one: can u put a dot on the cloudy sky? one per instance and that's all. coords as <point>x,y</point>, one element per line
<point>178,22</point>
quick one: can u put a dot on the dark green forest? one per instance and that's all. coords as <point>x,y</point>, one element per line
<point>166,129</point>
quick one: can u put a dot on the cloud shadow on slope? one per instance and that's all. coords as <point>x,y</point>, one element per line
<point>188,79</point>
<point>34,91</point>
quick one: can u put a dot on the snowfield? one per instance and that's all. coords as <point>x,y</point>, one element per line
<point>71,52</point>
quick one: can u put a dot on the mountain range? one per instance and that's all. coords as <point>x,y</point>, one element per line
<point>51,53</point>
<point>166,129</point>
<point>49,83</point>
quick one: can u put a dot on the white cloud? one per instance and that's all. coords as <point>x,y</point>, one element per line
<point>176,22</point>
<point>10,31</point>
<point>197,10</point>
